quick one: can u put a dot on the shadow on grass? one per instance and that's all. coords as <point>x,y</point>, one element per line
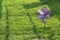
<point>7,23</point>
<point>43,1</point>
<point>33,5</point>
<point>0,9</point>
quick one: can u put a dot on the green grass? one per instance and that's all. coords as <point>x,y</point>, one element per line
<point>23,23</point>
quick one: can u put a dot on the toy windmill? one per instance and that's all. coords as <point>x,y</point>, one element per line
<point>44,14</point>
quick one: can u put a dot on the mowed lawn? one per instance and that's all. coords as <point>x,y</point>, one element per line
<point>19,20</point>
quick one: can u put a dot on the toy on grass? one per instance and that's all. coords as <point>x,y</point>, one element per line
<point>44,13</point>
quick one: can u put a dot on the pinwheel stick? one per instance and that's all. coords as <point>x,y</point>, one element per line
<point>44,25</point>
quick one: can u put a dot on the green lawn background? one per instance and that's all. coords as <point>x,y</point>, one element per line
<point>21,23</point>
